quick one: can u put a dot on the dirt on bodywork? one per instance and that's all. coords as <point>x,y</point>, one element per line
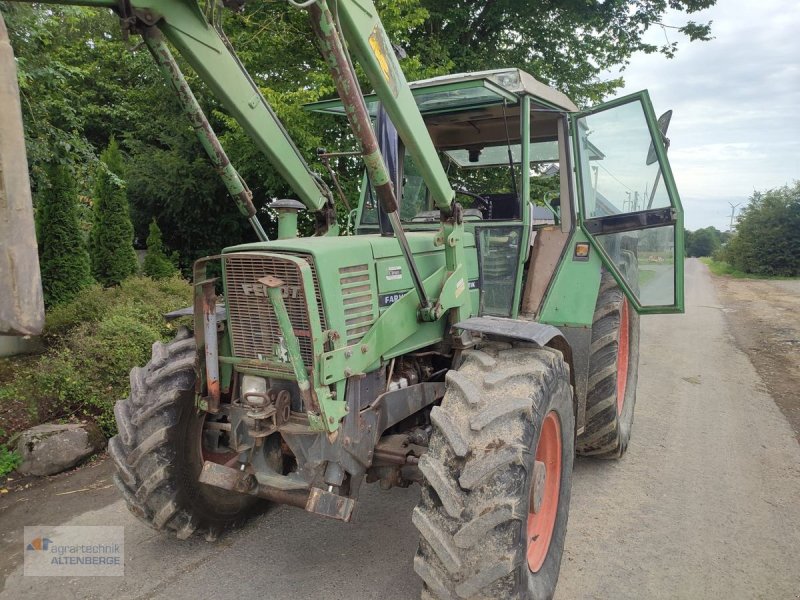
<point>764,317</point>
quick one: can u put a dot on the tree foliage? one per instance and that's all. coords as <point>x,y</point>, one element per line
<point>565,44</point>
<point>156,263</point>
<point>704,242</point>
<point>81,86</point>
<point>767,239</point>
<point>63,259</point>
<point>111,240</point>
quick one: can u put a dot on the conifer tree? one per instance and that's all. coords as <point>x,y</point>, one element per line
<point>156,263</point>
<point>111,241</point>
<point>63,259</point>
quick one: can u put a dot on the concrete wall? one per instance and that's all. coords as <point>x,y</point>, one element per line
<point>11,345</point>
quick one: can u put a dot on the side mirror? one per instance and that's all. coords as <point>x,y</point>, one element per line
<point>663,125</point>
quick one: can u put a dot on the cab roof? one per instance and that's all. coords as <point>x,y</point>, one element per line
<point>467,91</point>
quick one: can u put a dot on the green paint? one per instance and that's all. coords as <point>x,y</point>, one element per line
<point>357,24</point>
<point>376,169</point>
<point>525,192</point>
<point>669,181</point>
<point>397,323</point>
<point>292,345</point>
<point>287,224</point>
<point>572,295</point>
<point>172,74</point>
<point>225,370</point>
<point>186,28</point>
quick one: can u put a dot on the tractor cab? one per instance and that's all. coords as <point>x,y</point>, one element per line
<point>523,201</point>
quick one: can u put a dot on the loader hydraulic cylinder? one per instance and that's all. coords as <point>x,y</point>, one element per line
<point>349,90</point>
<point>230,177</point>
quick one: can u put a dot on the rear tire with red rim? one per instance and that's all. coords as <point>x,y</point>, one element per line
<point>613,374</point>
<point>493,511</point>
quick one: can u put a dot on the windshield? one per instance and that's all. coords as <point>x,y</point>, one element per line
<point>481,171</point>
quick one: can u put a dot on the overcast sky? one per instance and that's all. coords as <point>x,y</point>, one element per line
<point>736,98</point>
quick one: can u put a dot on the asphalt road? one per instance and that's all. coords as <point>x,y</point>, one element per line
<point>706,504</point>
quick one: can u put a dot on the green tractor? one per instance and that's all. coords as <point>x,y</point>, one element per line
<point>474,328</point>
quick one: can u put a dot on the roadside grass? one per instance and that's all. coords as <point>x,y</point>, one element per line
<point>719,267</point>
<point>645,275</point>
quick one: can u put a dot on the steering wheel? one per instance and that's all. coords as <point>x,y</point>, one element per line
<point>483,202</point>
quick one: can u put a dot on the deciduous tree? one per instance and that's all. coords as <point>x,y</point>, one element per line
<point>767,239</point>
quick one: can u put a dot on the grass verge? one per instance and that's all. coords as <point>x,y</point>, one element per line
<point>718,267</point>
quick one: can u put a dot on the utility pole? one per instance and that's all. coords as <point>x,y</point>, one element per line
<point>733,212</point>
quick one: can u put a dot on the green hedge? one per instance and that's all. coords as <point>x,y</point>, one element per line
<point>93,342</point>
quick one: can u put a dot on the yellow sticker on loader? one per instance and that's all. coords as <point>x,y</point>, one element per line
<point>379,50</point>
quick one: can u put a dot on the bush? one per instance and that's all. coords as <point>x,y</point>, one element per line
<point>94,342</point>
<point>111,242</point>
<point>767,240</point>
<point>156,263</point>
<point>63,260</point>
<point>703,242</point>
<point>9,460</point>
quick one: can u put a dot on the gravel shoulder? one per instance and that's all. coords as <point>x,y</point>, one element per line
<point>764,317</point>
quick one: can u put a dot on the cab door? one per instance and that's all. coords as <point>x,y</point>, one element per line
<point>628,204</point>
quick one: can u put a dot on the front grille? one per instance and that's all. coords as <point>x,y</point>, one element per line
<point>357,300</point>
<point>254,328</point>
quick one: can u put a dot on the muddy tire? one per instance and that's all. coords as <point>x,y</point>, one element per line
<point>501,408</point>
<point>613,374</point>
<point>158,451</point>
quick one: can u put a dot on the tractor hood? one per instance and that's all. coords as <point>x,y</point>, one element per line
<point>356,277</point>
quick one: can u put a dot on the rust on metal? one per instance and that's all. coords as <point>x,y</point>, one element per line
<point>208,138</point>
<point>356,109</point>
<point>328,504</point>
<point>245,483</point>
<point>271,281</point>
<point>254,328</point>
<point>209,300</point>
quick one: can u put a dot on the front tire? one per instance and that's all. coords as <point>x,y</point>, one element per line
<point>493,511</point>
<point>158,449</point>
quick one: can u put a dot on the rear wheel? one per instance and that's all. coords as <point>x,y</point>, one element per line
<point>494,504</point>
<point>162,443</point>
<point>613,374</point>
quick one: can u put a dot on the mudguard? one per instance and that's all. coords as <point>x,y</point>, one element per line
<point>500,328</point>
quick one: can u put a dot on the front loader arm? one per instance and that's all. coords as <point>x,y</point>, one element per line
<point>356,23</point>
<point>364,32</point>
<point>202,47</point>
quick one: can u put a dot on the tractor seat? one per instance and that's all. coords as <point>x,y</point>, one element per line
<point>505,207</point>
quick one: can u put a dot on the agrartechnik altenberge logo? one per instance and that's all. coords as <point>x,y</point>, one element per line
<point>75,551</point>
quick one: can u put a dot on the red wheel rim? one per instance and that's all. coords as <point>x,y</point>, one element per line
<point>623,349</point>
<point>545,490</point>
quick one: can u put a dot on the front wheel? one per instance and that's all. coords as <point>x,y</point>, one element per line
<point>492,516</point>
<point>162,444</point>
